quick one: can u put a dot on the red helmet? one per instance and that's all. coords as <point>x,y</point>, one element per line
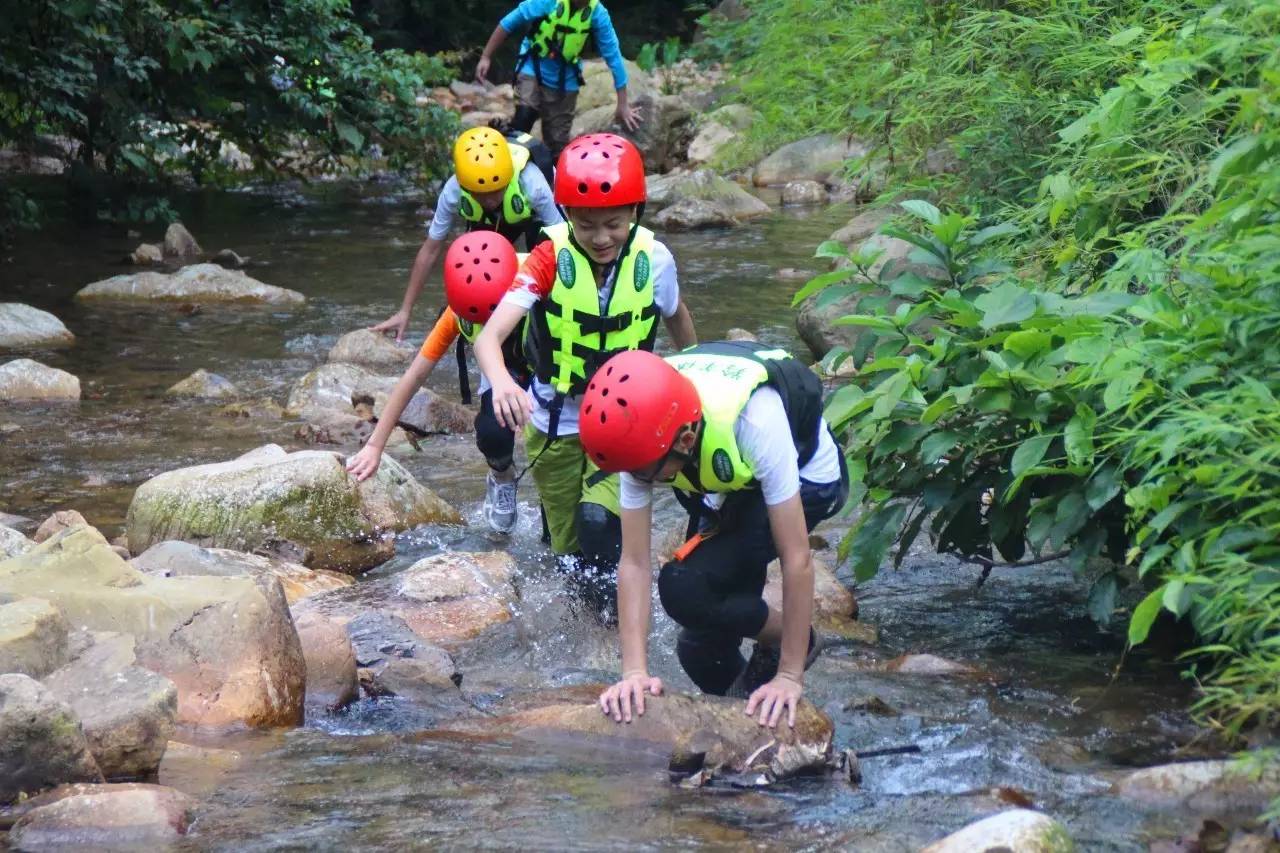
<point>599,170</point>
<point>478,269</point>
<point>632,410</point>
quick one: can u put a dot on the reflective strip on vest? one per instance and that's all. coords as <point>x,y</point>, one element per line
<point>563,34</point>
<point>725,383</point>
<point>515,206</point>
<point>578,332</point>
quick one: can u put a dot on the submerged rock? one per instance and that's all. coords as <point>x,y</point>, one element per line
<point>812,159</point>
<point>33,637</point>
<point>178,242</point>
<point>127,712</point>
<point>41,742</point>
<point>446,599</point>
<point>395,661</point>
<point>175,558</point>
<point>301,504</point>
<point>926,664</point>
<point>204,384</point>
<point>804,192</point>
<point>1209,788</point>
<point>104,817</point>
<point>371,349</point>
<point>24,380</point>
<point>24,327</point>
<point>227,644</point>
<point>208,283</point>
<point>1017,831</point>
<point>327,396</point>
<point>195,770</point>
<point>706,736</point>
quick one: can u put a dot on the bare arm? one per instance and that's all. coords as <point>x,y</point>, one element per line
<point>496,39</point>
<point>680,327</point>
<point>365,463</point>
<point>426,259</point>
<point>635,579</point>
<point>510,404</point>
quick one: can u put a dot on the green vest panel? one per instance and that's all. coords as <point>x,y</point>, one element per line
<point>563,34</point>
<point>569,336</point>
<point>515,207</point>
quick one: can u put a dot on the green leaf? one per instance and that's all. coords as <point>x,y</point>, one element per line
<point>1144,616</point>
<point>1007,303</point>
<point>831,249</point>
<point>873,537</point>
<point>936,445</point>
<point>1004,229</point>
<point>1029,454</point>
<point>1102,487</point>
<point>349,134</point>
<point>1028,343</point>
<point>1102,599</point>
<point>923,210</point>
<point>1078,436</point>
<point>1125,37</point>
<point>1177,597</point>
<point>819,282</point>
<point>1240,156</point>
<point>844,404</point>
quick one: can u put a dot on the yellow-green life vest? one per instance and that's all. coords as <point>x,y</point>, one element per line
<point>726,374</point>
<point>515,206</point>
<point>563,34</point>
<point>569,336</point>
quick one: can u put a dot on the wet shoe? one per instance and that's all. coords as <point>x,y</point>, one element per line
<point>500,504</point>
<point>762,666</point>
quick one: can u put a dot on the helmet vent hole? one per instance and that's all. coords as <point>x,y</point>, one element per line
<point>582,187</point>
<point>482,180</point>
<point>588,409</point>
<point>487,277</point>
<point>605,187</point>
<point>606,154</point>
<point>624,377</point>
<point>602,418</point>
<point>622,402</point>
<point>609,372</point>
<point>493,306</point>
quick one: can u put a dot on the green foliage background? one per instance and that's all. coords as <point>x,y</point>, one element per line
<point>1080,360</point>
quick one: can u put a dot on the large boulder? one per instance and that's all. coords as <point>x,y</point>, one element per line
<point>33,637</point>
<point>302,504</point>
<point>205,385</point>
<point>703,185</point>
<point>104,817</point>
<point>812,159</point>
<point>127,712</point>
<point>835,610</point>
<point>332,681</point>
<point>24,327</point>
<point>395,661</point>
<point>804,193</point>
<point>371,349</point>
<point>41,742</point>
<point>692,214</point>
<point>227,644</point>
<point>598,90</point>
<point>327,396</point>
<point>705,734</point>
<point>717,130</point>
<point>56,523</point>
<point>666,125</point>
<point>446,599</point>
<point>24,380</point>
<point>196,283</point>
<point>1016,830</point>
<point>178,242</point>
<point>13,543</point>
<point>1221,789</point>
<point>175,558</point>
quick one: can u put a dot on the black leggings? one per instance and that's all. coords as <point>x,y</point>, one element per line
<point>495,442</point>
<point>715,593</point>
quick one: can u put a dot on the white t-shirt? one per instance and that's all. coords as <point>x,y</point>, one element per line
<point>764,439</point>
<point>535,189</point>
<point>666,297</point>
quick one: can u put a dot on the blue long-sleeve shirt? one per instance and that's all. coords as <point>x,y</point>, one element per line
<point>555,71</point>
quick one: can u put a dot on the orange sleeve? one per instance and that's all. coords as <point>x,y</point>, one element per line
<point>442,336</point>
<point>538,272</point>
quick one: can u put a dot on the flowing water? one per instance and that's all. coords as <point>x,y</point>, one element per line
<point>1045,719</point>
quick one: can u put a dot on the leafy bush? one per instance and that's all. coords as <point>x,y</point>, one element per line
<point>150,89</point>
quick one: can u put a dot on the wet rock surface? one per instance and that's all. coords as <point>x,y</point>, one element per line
<point>303,504</point>
<point>1016,830</point>
<point>196,283</point>
<point>26,381</point>
<point>371,349</point>
<point>104,817</point>
<point>1209,788</point>
<point>721,195</point>
<point>24,327</point>
<point>205,385</point>
<point>41,741</point>
<point>33,637</point>
<point>179,559</point>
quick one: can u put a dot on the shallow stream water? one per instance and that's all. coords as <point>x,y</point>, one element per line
<point>1045,720</point>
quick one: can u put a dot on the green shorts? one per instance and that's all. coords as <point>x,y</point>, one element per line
<point>565,478</point>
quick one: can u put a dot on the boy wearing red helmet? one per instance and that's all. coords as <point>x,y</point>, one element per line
<point>596,287</point>
<point>740,425</point>
<point>478,270</point>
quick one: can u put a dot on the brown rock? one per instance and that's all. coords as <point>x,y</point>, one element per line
<point>835,610</point>
<point>146,255</point>
<point>1208,788</point>
<point>446,600</point>
<point>331,662</point>
<point>102,817</point>
<point>371,349</point>
<point>710,729</point>
<point>195,770</point>
<point>182,559</point>
<point>58,522</point>
<point>926,664</point>
<point>736,334</point>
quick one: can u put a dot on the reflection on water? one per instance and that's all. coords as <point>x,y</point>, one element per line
<point>1043,718</point>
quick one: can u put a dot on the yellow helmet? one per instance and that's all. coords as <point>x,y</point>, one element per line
<point>482,160</point>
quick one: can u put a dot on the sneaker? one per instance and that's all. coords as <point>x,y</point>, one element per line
<point>762,666</point>
<point>500,504</point>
